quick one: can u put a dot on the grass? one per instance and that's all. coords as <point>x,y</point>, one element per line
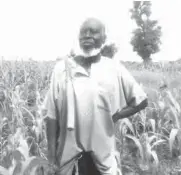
<point>149,142</point>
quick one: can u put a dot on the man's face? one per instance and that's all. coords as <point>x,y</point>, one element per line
<point>92,35</point>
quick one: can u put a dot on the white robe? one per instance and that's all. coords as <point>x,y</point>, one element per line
<point>92,100</point>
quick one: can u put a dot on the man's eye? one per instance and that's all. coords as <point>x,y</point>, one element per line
<point>84,32</point>
<point>90,32</point>
<point>94,31</point>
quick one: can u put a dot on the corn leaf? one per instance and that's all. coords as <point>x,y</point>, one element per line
<point>23,147</point>
<point>34,162</point>
<point>4,171</point>
<point>17,169</point>
<point>176,116</point>
<point>172,137</point>
<point>157,143</point>
<point>151,138</point>
<point>127,122</point>
<point>137,143</point>
<point>153,125</point>
<point>155,157</point>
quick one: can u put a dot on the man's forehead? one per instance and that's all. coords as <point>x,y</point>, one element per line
<point>94,23</point>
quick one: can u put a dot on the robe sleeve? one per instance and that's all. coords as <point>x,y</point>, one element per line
<point>133,92</point>
<point>53,94</point>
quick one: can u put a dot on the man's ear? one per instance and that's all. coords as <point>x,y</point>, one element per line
<point>104,39</point>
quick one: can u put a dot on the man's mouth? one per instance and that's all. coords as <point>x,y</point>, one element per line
<point>87,42</point>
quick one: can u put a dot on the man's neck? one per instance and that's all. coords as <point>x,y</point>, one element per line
<point>86,62</point>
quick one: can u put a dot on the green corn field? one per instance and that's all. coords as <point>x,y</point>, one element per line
<point>148,143</point>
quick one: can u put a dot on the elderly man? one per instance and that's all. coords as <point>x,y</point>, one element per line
<point>88,94</point>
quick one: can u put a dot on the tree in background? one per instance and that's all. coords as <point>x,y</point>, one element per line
<point>146,37</point>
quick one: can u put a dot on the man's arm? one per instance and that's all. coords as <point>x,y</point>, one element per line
<point>134,95</point>
<point>51,131</point>
<point>129,111</point>
<point>51,119</point>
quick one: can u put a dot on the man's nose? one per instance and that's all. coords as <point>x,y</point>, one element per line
<point>87,33</point>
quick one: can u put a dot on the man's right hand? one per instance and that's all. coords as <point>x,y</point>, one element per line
<point>52,169</point>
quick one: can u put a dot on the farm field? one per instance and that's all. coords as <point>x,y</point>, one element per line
<point>148,143</point>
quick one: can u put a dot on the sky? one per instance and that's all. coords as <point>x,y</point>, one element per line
<point>47,29</point>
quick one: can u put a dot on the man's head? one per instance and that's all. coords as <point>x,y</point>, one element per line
<point>92,35</point>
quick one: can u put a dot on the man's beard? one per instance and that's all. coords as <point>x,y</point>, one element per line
<point>86,54</point>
